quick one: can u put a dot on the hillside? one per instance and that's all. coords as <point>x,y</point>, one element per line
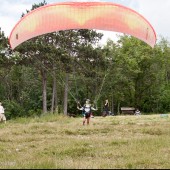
<point>62,142</point>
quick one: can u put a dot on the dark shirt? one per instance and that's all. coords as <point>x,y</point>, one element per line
<point>106,107</point>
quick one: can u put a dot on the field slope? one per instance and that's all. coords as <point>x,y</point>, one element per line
<point>57,142</point>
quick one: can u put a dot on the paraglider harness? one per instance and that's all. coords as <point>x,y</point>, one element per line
<point>86,111</point>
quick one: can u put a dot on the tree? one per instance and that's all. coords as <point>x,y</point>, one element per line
<point>137,73</point>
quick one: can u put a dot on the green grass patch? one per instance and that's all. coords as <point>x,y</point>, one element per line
<point>60,142</point>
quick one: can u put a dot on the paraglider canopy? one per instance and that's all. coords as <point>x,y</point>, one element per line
<point>82,15</point>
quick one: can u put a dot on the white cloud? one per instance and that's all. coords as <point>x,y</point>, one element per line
<point>157,13</point>
<point>10,14</point>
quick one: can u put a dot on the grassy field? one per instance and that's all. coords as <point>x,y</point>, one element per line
<point>113,142</point>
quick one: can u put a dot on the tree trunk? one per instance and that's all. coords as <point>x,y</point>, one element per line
<point>53,94</point>
<point>54,104</point>
<point>44,81</point>
<point>66,94</point>
<point>56,99</point>
<point>118,108</point>
<point>112,109</point>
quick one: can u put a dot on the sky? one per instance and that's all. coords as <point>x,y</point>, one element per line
<point>157,12</point>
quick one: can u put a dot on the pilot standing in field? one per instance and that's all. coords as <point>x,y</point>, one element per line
<point>86,109</point>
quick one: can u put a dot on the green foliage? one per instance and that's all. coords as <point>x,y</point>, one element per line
<point>13,109</point>
<point>127,72</point>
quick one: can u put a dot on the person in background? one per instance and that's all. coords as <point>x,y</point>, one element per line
<point>2,113</point>
<point>106,108</point>
<point>137,112</point>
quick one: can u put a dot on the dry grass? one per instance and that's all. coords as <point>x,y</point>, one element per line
<point>128,142</point>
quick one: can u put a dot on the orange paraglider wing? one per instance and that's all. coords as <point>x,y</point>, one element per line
<point>82,15</point>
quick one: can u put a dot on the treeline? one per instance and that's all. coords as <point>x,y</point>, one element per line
<point>52,72</point>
